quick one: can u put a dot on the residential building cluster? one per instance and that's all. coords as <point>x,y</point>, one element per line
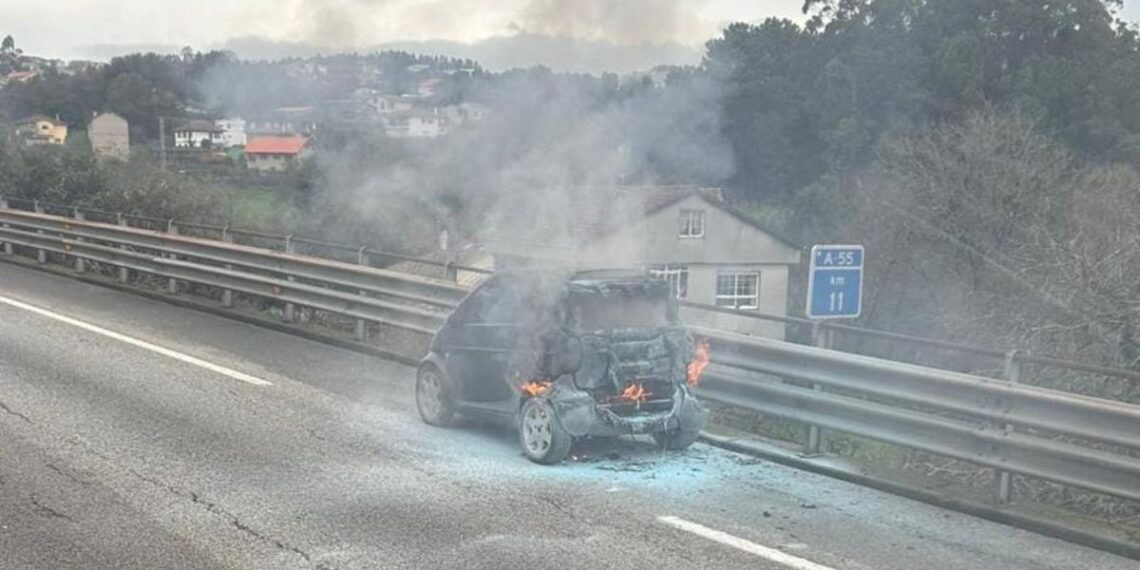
<point>275,139</point>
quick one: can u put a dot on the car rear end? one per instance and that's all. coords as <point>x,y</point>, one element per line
<point>635,357</point>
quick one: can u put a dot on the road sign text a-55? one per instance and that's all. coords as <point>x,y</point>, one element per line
<point>835,282</point>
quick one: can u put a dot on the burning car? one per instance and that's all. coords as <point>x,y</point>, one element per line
<point>562,356</point>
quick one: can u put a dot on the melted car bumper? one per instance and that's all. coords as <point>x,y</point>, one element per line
<point>581,415</point>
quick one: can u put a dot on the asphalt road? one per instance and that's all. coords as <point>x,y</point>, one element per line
<point>134,434</point>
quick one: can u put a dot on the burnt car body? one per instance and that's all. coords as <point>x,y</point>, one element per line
<point>564,356</point>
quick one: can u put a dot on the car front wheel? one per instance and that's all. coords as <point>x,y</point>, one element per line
<point>432,400</point>
<point>540,433</point>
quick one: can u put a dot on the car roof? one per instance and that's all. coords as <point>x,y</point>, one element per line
<point>592,281</point>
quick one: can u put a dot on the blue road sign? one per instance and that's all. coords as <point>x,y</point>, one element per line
<point>835,282</point>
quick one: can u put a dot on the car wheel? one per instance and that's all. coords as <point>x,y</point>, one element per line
<point>676,439</point>
<point>541,435</point>
<point>432,400</point>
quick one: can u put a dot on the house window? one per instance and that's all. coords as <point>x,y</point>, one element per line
<point>738,290</point>
<point>692,223</point>
<point>676,275</point>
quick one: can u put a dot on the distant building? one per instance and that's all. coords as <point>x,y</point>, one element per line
<point>40,130</point>
<point>465,113</point>
<point>275,153</point>
<point>414,124</point>
<point>110,137</point>
<point>21,76</point>
<point>197,133</point>
<point>384,104</point>
<point>709,252</point>
<point>233,132</point>
<point>428,87</point>
<point>283,121</point>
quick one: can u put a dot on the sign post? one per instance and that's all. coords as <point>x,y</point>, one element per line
<point>835,282</point>
<point>835,291</point>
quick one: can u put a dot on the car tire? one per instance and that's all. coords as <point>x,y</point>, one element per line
<point>541,435</point>
<point>432,399</point>
<point>676,439</point>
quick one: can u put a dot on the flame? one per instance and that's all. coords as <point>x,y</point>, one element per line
<point>535,387</point>
<point>635,392</point>
<point>699,362</point>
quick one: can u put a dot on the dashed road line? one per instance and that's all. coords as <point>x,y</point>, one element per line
<point>741,544</point>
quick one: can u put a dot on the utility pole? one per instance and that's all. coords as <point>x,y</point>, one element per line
<point>162,142</point>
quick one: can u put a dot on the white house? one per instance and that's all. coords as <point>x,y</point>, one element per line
<point>197,133</point>
<point>283,121</point>
<point>710,252</point>
<point>415,124</point>
<point>464,113</point>
<point>232,132</point>
<point>387,104</point>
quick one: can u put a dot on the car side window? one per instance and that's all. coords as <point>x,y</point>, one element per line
<point>474,309</point>
<point>505,304</point>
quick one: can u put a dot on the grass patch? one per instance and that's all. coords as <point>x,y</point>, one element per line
<point>257,208</point>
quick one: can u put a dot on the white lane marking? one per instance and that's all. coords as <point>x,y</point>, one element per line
<point>742,544</point>
<point>139,343</point>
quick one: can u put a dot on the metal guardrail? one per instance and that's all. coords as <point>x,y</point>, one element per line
<point>280,242</point>
<point>1075,440</point>
<point>1084,442</point>
<point>399,300</point>
<point>825,327</point>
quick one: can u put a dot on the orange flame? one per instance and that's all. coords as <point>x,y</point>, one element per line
<point>699,362</point>
<point>535,387</point>
<point>635,392</point>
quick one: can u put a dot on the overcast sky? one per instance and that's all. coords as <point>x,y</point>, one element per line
<point>61,28</point>
<point>67,28</point>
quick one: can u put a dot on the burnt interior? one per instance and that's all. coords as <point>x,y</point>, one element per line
<point>629,338</point>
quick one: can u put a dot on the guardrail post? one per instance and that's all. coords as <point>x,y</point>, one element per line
<point>7,246</point>
<point>227,294</point>
<point>290,309</point>
<point>172,283</point>
<point>124,273</point>
<point>41,255</point>
<point>80,267</point>
<point>821,337</point>
<point>360,333</point>
<point>1003,480</point>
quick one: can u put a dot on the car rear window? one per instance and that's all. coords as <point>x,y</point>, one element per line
<point>615,311</point>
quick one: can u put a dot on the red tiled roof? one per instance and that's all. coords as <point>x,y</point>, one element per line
<point>276,145</point>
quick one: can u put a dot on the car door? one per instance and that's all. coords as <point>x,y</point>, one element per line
<point>477,341</point>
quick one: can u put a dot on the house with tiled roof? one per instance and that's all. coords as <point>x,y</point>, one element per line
<point>275,153</point>
<point>40,130</point>
<point>21,76</point>
<point>710,252</point>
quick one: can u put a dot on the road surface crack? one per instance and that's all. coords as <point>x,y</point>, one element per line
<point>46,511</point>
<point>67,475</point>
<point>238,524</point>
<point>5,407</point>
<point>233,519</point>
